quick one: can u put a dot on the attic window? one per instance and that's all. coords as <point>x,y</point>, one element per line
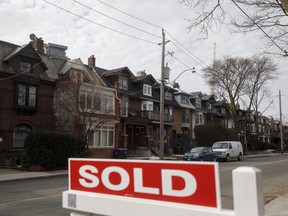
<point>26,67</point>
<point>198,103</point>
<point>184,99</point>
<point>147,90</point>
<point>123,84</point>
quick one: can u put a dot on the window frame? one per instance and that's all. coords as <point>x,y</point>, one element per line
<point>123,83</point>
<point>26,67</point>
<point>147,90</point>
<point>184,99</point>
<point>106,132</point>
<point>100,102</point>
<point>27,101</point>
<point>17,131</point>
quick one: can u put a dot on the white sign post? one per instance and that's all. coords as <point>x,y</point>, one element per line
<point>160,188</point>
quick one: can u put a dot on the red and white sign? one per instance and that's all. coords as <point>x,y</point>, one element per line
<point>180,182</point>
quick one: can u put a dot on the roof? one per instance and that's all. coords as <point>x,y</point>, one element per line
<point>50,65</point>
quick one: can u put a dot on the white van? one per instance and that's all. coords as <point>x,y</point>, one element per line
<point>226,150</point>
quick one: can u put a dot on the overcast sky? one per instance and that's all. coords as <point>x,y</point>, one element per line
<point>122,40</point>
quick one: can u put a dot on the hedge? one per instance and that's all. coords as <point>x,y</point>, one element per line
<point>50,149</point>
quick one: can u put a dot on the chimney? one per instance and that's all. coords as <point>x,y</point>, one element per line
<point>38,44</point>
<point>91,61</point>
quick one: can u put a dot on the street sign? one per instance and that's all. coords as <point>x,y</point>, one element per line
<point>169,181</point>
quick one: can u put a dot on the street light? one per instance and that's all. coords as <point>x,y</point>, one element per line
<point>162,97</point>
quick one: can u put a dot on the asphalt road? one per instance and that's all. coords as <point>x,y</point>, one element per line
<point>44,196</point>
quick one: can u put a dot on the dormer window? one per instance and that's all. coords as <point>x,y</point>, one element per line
<point>198,103</point>
<point>147,90</point>
<point>184,99</point>
<point>209,106</point>
<point>123,83</point>
<point>26,67</point>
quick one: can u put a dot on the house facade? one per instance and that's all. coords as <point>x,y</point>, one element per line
<point>26,91</point>
<point>41,89</point>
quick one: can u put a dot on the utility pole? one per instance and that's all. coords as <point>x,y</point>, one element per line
<point>162,96</point>
<point>281,127</point>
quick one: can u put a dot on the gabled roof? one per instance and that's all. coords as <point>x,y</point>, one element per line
<point>119,71</point>
<point>50,65</point>
<point>26,50</point>
<point>74,63</point>
<point>145,79</point>
<point>197,94</point>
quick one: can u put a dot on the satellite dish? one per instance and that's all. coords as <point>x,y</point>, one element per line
<point>32,36</point>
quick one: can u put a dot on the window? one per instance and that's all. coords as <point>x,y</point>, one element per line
<point>209,106</point>
<point>147,90</point>
<point>20,132</point>
<point>169,112</point>
<point>185,116</point>
<point>147,105</point>
<point>26,95</point>
<point>103,137</point>
<point>123,83</point>
<point>184,99</point>
<point>97,102</point>
<point>26,67</point>
<point>223,111</point>
<point>198,103</point>
<point>199,119</point>
<point>168,96</point>
<point>124,107</point>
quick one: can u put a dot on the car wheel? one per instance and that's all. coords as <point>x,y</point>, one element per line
<point>227,158</point>
<point>240,157</point>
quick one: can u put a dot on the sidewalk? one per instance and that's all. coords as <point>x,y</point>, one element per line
<point>277,207</point>
<point>7,175</point>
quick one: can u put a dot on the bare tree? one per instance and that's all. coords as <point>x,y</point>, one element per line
<point>255,87</point>
<point>269,17</point>
<point>229,76</point>
<point>241,79</point>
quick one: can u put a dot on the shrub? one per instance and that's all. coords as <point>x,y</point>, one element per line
<point>207,134</point>
<point>50,150</point>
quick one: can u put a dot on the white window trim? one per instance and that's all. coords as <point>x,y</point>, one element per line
<point>101,130</point>
<point>147,90</point>
<point>149,105</point>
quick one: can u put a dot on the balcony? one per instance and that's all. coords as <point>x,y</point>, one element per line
<point>153,116</point>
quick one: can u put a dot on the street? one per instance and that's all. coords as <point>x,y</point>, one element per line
<point>44,196</point>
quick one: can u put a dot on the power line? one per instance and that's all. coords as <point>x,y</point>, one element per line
<point>201,62</point>
<point>86,6</point>
<point>93,22</point>
<point>197,61</point>
<point>149,23</point>
<point>285,53</point>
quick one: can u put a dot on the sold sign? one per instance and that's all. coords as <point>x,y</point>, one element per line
<point>180,182</point>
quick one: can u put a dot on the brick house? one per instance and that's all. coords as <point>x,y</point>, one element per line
<point>41,89</point>
<point>86,107</point>
<point>26,92</point>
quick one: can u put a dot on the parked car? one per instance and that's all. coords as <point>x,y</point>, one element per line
<point>200,154</point>
<point>225,150</point>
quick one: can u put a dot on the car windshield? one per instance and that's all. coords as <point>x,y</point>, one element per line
<point>220,146</point>
<point>197,149</point>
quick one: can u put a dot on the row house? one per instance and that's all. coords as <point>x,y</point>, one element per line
<point>41,89</point>
<point>26,90</point>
